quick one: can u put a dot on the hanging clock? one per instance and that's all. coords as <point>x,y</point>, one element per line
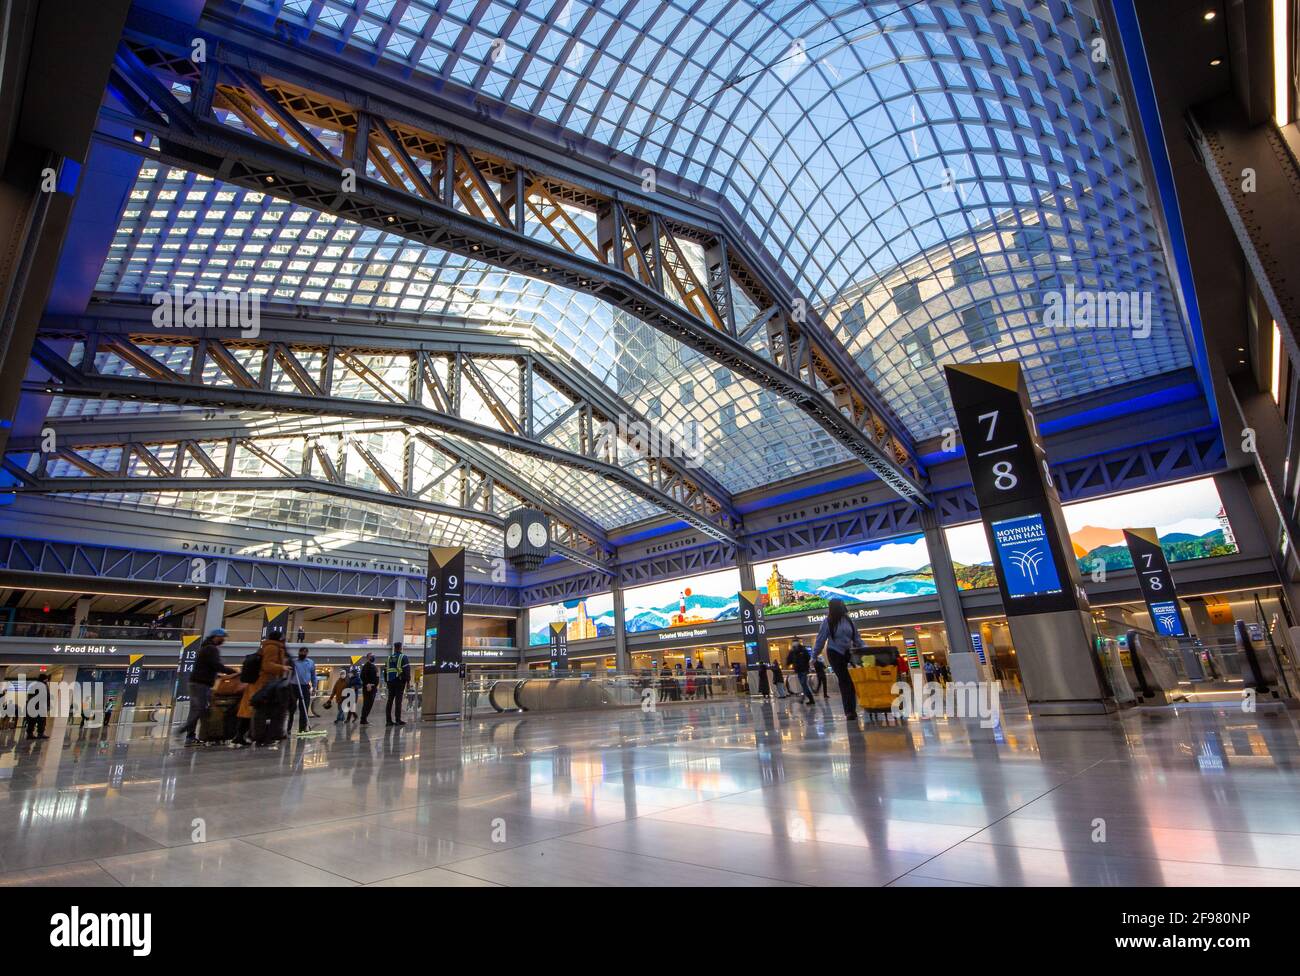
<point>527,539</point>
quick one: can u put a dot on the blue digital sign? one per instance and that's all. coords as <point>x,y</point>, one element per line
<point>1025,555</point>
<point>1168,621</point>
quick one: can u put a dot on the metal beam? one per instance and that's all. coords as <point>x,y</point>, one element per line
<point>87,565</point>
<point>183,460</point>
<point>83,380</point>
<point>289,335</point>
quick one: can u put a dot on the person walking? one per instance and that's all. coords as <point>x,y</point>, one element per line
<point>354,686</point>
<point>207,665</point>
<point>764,688</point>
<point>819,666</point>
<point>800,661</point>
<point>267,664</point>
<point>304,679</point>
<point>397,675</point>
<point>839,637</point>
<point>37,707</point>
<point>369,685</point>
<point>779,679</point>
<point>337,698</point>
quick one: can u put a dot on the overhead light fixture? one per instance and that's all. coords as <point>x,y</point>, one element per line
<point>138,136</point>
<point>1210,15</point>
<point>1281,64</point>
<point>1216,62</point>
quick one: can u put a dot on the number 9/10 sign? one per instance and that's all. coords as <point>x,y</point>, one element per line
<point>444,606</point>
<point>450,603</point>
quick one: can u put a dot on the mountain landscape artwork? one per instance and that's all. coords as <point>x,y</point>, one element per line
<point>1189,519</point>
<point>694,601</point>
<point>893,569</point>
<point>584,619</point>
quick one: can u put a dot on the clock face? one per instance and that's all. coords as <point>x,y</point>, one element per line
<point>514,534</point>
<point>537,535</point>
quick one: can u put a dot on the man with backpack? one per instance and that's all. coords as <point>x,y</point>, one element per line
<point>800,661</point>
<point>207,665</point>
<point>397,675</point>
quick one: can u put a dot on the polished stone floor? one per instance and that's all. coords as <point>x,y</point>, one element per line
<point>720,793</point>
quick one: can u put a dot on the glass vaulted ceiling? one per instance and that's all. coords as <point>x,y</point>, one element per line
<point>179,228</point>
<point>924,171</point>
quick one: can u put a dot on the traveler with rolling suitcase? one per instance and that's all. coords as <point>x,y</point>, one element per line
<point>267,668</point>
<point>207,665</point>
<point>222,720</point>
<point>840,638</point>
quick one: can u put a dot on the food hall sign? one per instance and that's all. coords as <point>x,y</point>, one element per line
<point>83,649</point>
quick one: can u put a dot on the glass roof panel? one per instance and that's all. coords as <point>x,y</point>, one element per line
<point>291,255</point>
<point>861,143</point>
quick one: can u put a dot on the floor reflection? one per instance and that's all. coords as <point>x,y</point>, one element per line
<point>723,792</point>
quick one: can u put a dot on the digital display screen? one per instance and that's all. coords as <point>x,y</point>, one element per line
<point>1166,618</point>
<point>1026,557</point>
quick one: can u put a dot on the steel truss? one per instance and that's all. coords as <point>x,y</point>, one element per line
<point>302,129</point>
<point>1171,459</point>
<point>92,561</point>
<point>210,461</point>
<point>567,588</point>
<point>296,369</point>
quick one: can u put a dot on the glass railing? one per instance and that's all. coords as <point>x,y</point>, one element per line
<point>494,692</point>
<point>410,642</point>
<point>89,631</point>
<point>94,631</point>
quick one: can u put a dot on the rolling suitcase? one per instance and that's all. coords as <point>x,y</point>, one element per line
<point>873,685</point>
<point>220,722</point>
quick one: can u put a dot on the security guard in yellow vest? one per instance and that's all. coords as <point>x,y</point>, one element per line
<point>397,675</point>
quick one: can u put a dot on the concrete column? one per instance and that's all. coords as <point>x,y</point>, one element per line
<point>621,660</point>
<point>521,640</point>
<point>746,569</point>
<point>80,615</point>
<point>397,621</point>
<point>962,659</point>
<point>214,611</point>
